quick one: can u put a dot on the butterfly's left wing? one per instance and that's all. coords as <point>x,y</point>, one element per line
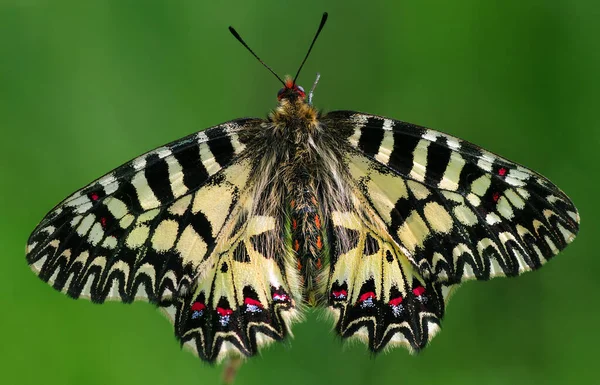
<point>457,211</point>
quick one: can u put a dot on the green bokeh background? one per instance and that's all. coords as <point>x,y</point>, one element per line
<point>87,85</point>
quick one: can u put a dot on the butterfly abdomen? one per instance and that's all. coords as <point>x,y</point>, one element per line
<point>308,241</point>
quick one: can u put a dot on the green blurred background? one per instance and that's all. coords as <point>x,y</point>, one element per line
<point>87,85</point>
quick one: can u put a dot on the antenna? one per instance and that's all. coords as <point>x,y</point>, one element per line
<point>239,38</point>
<point>321,25</point>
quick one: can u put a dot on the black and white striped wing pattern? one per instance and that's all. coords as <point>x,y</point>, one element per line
<point>128,235</point>
<point>457,211</point>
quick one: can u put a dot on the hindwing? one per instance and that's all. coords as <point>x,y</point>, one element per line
<point>374,291</point>
<point>458,212</point>
<point>245,293</point>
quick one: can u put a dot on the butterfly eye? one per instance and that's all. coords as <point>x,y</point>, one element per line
<point>280,92</point>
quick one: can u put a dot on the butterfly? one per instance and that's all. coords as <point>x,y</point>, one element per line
<point>235,230</point>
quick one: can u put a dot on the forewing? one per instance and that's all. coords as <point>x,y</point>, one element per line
<point>140,231</point>
<point>457,211</point>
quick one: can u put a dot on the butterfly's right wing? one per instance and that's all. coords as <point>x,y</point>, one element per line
<point>160,228</point>
<point>432,211</point>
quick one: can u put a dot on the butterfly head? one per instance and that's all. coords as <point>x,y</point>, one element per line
<point>291,91</point>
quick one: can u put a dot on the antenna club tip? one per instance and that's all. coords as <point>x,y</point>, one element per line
<point>234,33</point>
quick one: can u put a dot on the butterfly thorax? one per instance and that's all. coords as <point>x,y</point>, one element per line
<point>295,116</point>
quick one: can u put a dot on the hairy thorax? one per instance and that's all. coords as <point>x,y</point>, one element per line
<point>295,116</point>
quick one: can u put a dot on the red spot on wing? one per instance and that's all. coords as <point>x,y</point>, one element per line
<point>296,245</point>
<point>94,196</point>
<point>103,222</point>
<point>252,301</point>
<point>496,196</point>
<point>366,296</point>
<point>282,297</point>
<point>317,221</point>
<point>502,171</point>
<point>294,224</point>
<point>319,263</point>
<point>319,243</point>
<point>224,312</point>
<point>396,301</point>
<point>418,291</point>
<point>198,306</point>
<point>339,294</point>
